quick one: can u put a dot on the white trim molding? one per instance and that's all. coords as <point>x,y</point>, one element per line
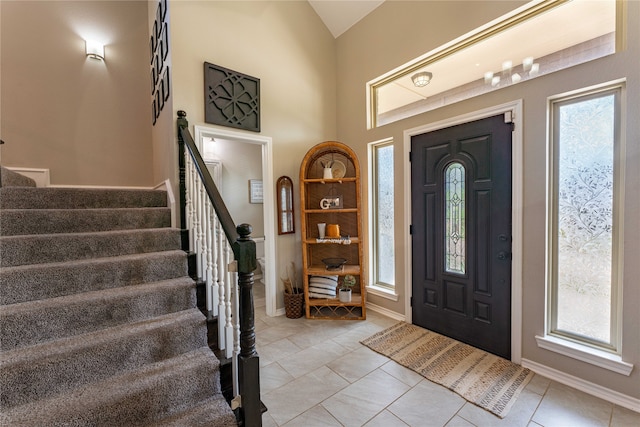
<point>171,200</point>
<point>517,210</point>
<point>596,390</point>
<point>594,356</point>
<point>42,177</point>
<point>382,292</point>
<point>270,282</point>
<point>386,312</point>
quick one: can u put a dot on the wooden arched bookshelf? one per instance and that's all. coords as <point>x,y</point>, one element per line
<point>332,200</point>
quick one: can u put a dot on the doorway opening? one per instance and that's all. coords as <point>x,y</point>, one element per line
<point>514,111</point>
<point>245,144</point>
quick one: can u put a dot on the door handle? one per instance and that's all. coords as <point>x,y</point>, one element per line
<point>504,255</point>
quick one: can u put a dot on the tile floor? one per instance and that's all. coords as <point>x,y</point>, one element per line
<point>316,373</point>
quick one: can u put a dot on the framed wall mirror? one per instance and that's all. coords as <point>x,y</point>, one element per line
<point>284,190</point>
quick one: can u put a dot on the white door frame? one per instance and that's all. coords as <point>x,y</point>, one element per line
<point>269,276</point>
<point>517,179</point>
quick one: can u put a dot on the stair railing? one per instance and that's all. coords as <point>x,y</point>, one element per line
<point>226,258</point>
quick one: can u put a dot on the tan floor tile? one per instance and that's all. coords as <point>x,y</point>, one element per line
<point>413,410</point>
<point>351,338</point>
<point>356,364</point>
<point>538,384</point>
<point>305,363</point>
<point>406,375</point>
<point>276,350</point>
<point>519,415</point>
<point>314,417</point>
<point>272,377</point>
<point>312,358</point>
<point>564,406</point>
<point>459,422</point>
<point>364,399</point>
<point>319,333</point>
<point>386,419</point>
<point>292,399</point>
<point>268,421</point>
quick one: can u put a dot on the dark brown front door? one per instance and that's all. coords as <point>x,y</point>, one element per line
<point>461,233</point>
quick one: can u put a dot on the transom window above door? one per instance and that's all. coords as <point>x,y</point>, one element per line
<point>529,42</point>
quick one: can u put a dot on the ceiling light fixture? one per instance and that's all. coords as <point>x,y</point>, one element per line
<point>421,79</point>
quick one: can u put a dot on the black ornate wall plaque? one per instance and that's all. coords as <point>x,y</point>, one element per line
<point>231,98</point>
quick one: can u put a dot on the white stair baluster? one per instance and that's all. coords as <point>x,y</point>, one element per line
<point>230,294</point>
<point>210,278</point>
<point>222,267</point>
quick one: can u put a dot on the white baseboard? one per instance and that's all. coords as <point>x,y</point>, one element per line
<point>102,187</point>
<point>40,176</point>
<point>171,200</point>
<point>386,312</point>
<point>588,387</point>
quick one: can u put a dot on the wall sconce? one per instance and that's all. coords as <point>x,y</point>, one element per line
<point>421,79</point>
<point>95,50</point>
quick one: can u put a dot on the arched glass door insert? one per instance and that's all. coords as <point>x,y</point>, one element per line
<point>455,229</point>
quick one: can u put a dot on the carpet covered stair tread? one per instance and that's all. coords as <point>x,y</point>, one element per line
<point>33,322</point>
<point>9,178</point>
<point>49,368</point>
<point>45,248</point>
<point>138,398</point>
<point>17,222</point>
<point>39,281</point>
<point>79,198</point>
<point>99,321</point>
<point>204,415</point>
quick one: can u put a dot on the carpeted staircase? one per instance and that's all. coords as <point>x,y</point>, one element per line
<point>98,317</point>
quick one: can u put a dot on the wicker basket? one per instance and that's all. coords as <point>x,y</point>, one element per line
<point>293,305</point>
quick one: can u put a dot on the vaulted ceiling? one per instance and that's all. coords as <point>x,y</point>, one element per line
<point>339,16</point>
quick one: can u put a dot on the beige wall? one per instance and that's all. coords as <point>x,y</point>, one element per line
<point>399,31</point>
<point>287,47</point>
<point>87,121</point>
<point>240,163</point>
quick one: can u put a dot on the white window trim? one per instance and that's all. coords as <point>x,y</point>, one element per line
<point>382,292</point>
<point>374,288</point>
<point>586,353</point>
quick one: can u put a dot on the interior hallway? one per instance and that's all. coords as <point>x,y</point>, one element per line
<point>316,373</point>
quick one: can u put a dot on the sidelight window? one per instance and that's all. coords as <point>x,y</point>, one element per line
<point>455,230</point>
<point>382,253</point>
<point>584,242</point>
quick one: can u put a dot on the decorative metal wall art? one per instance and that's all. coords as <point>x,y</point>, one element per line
<point>159,49</point>
<point>231,98</point>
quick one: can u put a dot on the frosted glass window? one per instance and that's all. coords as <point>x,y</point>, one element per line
<point>454,235</point>
<point>583,292</point>
<point>382,213</point>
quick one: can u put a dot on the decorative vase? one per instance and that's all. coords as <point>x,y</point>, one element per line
<point>321,229</point>
<point>344,295</point>
<point>333,231</point>
<point>327,173</point>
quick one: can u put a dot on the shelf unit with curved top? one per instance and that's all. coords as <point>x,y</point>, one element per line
<point>344,187</point>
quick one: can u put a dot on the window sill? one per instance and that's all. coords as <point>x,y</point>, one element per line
<point>382,292</point>
<point>600,358</point>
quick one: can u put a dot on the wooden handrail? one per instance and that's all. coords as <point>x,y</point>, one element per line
<point>184,137</point>
<point>244,251</point>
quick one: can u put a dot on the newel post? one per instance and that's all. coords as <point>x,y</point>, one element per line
<point>244,250</point>
<point>183,123</point>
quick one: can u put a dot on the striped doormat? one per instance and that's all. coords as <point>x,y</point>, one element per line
<point>489,381</point>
